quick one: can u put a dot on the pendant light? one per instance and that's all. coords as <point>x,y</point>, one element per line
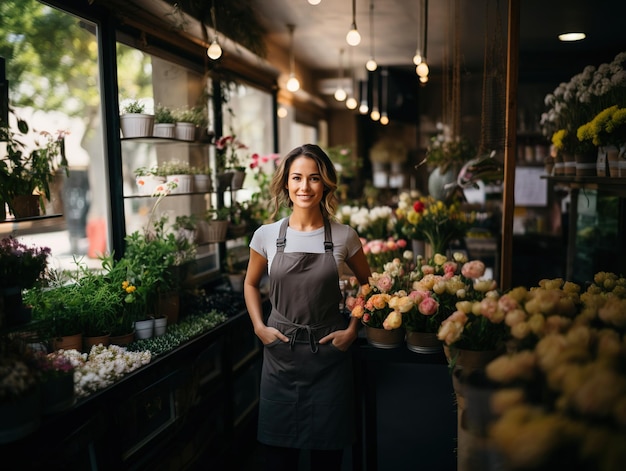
<point>340,93</point>
<point>422,69</point>
<point>351,102</point>
<point>353,38</point>
<point>363,107</point>
<point>371,64</point>
<point>314,2</point>
<point>384,118</point>
<point>293,84</point>
<point>214,51</point>
<point>375,113</point>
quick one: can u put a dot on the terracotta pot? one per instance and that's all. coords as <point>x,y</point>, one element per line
<point>122,340</point>
<point>89,342</point>
<point>68,342</point>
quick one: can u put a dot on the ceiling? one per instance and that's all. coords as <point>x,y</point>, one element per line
<point>320,32</point>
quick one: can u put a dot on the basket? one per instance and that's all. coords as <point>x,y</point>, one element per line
<point>216,231</point>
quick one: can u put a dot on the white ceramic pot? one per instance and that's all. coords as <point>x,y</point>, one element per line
<point>136,125</point>
<point>147,184</point>
<point>186,131</point>
<point>184,182</point>
<point>160,326</point>
<point>166,130</point>
<point>144,329</point>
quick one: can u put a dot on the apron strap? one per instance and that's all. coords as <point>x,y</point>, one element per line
<point>328,237</point>
<point>282,241</point>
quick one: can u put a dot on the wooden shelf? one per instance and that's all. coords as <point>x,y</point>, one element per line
<point>12,220</point>
<point>609,184</point>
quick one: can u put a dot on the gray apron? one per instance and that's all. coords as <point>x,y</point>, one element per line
<point>306,398</point>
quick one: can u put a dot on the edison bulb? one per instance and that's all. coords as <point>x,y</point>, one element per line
<point>424,79</point>
<point>371,64</point>
<point>384,119</point>
<point>351,103</point>
<point>417,58</point>
<point>363,109</point>
<point>353,38</point>
<point>293,84</point>
<point>340,94</point>
<point>422,69</point>
<point>214,51</point>
<point>375,114</point>
<point>314,2</point>
<point>282,112</point>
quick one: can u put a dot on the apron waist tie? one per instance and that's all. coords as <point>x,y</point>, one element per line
<point>309,332</point>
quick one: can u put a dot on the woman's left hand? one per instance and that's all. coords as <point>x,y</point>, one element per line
<point>341,339</point>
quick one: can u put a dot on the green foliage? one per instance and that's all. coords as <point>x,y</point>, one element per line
<point>134,106</point>
<point>163,114</point>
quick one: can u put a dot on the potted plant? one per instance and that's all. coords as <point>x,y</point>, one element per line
<point>229,161</point>
<point>25,174</point>
<point>179,172</point>
<point>218,220</point>
<point>147,179</point>
<point>202,179</point>
<point>134,121</point>
<point>164,122</point>
<point>235,270</point>
<point>186,122</point>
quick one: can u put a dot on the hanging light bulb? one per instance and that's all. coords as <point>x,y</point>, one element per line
<point>422,69</point>
<point>340,93</point>
<point>214,51</point>
<point>423,80</point>
<point>353,38</point>
<point>371,64</point>
<point>384,119</point>
<point>363,108</point>
<point>351,102</point>
<point>293,84</point>
<point>417,58</point>
<point>314,2</point>
<point>375,113</point>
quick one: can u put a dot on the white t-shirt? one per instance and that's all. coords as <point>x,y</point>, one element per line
<point>346,242</point>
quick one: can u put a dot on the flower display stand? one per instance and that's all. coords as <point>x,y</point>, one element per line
<point>382,338</point>
<point>423,342</point>
<point>58,393</point>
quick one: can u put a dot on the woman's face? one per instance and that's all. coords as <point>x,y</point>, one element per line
<point>304,183</point>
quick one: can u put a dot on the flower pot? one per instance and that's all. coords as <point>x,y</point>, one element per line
<point>216,231</point>
<point>185,131</point>
<point>165,130</point>
<point>160,326</point>
<point>469,360</point>
<point>224,180</point>
<point>569,164</point>
<point>586,163</point>
<point>58,393</point>
<point>612,157</point>
<point>184,183</point>
<point>89,342</point>
<point>144,329</point>
<point>237,179</point>
<point>423,342</point>
<point>202,183</point>
<point>122,340</point>
<point>26,206</point>
<point>382,338</point>
<point>136,125</point>
<point>68,342</point>
<point>146,185</point>
<point>236,281</point>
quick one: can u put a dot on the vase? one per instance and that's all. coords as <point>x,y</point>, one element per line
<point>20,417</point>
<point>122,340</point>
<point>423,342</point>
<point>383,338</point>
<point>144,329</point>
<point>441,184</point>
<point>57,393</point>
<point>185,131</point>
<point>90,341</point>
<point>418,247</point>
<point>160,326</point>
<point>68,342</point>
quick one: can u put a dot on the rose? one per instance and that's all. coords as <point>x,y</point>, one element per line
<point>473,269</point>
<point>428,306</point>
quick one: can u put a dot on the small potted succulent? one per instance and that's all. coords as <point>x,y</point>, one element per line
<point>164,122</point>
<point>134,121</point>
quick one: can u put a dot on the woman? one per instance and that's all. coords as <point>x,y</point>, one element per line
<point>306,383</point>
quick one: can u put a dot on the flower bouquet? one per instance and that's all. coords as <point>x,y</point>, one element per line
<point>434,221</point>
<point>379,252</point>
<point>370,223</point>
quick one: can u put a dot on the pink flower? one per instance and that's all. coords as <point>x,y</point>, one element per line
<point>384,283</point>
<point>401,243</point>
<point>474,269</point>
<point>428,306</point>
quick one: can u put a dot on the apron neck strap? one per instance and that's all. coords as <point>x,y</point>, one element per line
<point>282,240</point>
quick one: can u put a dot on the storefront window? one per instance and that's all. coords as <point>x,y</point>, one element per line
<point>52,68</point>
